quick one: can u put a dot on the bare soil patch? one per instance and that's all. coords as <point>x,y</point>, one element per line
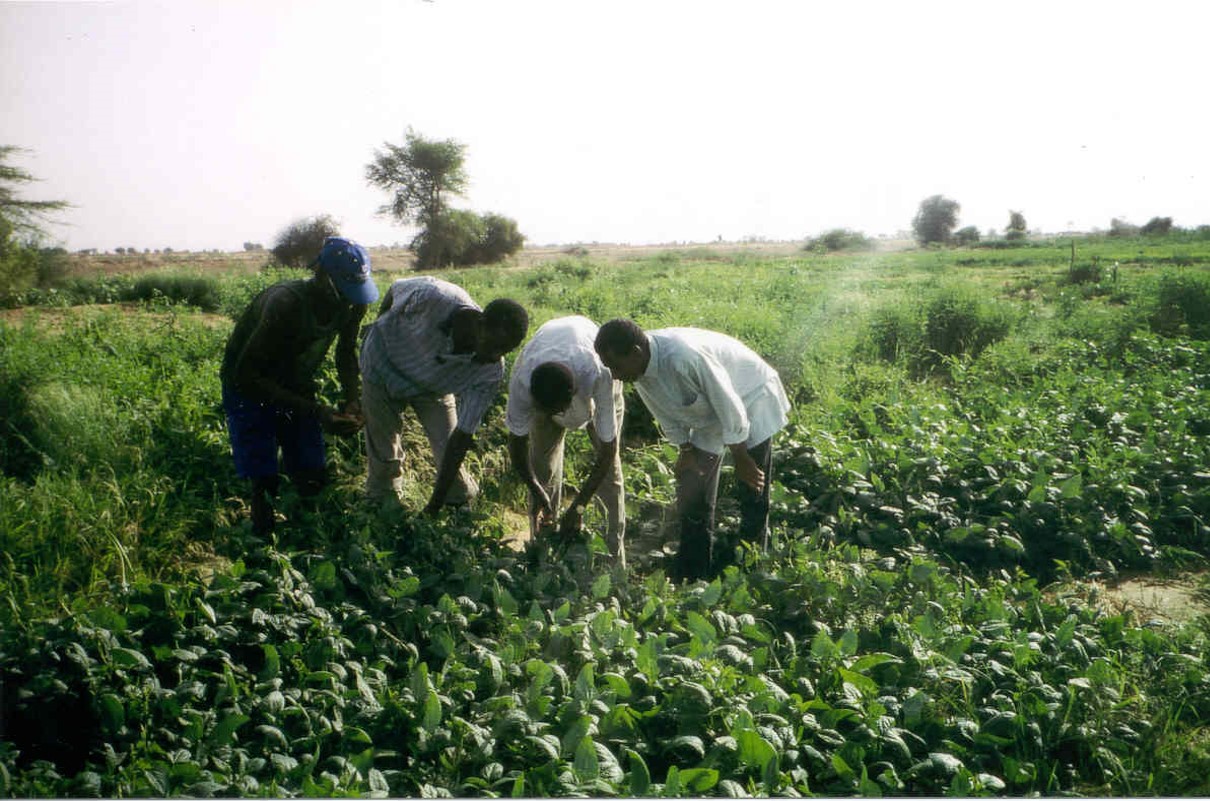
<point>55,318</point>
<point>1151,599</point>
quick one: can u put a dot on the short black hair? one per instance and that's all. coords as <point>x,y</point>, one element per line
<point>552,386</point>
<point>508,318</point>
<point>619,336</point>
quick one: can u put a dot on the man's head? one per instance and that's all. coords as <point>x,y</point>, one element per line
<point>501,328</point>
<point>552,386</point>
<point>623,348</point>
<point>347,264</point>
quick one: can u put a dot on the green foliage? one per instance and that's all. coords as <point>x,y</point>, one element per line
<point>899,637</point>
<point>1016,228</point>
<point>1157,226</point>
<point>458,238</point>
<point>19,215</point>
<point>1182,305</point>
<point>299,242</point>
<point>967,236</point>
<point>839,239</point>
<point>935,220</point>
<point>945,323</point>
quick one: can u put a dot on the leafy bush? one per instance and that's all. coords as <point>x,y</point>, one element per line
<point>946,323</point>
<point>459,238</point>
<point>299,244</point>
<point>1089,273</point>
<point>1182,305</point>
<point>1157,226</point>
<point>966,236</point>
<point>839,239</point>
<point>196,291</point>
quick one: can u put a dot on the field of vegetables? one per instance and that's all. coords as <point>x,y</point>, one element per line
<point>984,442</point>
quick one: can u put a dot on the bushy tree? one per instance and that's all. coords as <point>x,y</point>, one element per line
<point>421,175</point>
<point>300,242</point>
<point>1016,228</point>
<point>1119,227</point>
<point>966,236</point>
<point>935,220</point>
<point>461,238</point>
<point>1157,226</point>
<point>838,239</point>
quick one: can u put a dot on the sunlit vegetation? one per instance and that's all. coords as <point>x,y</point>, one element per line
<point>979,448</point>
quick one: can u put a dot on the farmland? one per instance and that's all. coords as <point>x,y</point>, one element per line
<point>986,446</point>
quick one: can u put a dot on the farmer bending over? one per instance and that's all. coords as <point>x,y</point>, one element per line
<point>708,392</point>
<point>269,369</point>
<point>558,383</point>
<point>431,344</point>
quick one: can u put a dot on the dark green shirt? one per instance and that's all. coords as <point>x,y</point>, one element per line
<point>280,341</point>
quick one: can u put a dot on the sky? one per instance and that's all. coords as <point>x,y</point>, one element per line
<point>199,124</point>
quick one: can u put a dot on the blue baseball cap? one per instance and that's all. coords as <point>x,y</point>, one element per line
<point>348,263</point>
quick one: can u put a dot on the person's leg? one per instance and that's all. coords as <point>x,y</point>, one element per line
<point>302,446</point>
<point>439,416</point>
<point>696,496</point>
<point>546,439</point>
<point>753,508</point>
<point>384,453</point>
<point>612,491</point>
<point>252,428</point>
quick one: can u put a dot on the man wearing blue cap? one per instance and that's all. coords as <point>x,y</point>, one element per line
<point>269,369</point>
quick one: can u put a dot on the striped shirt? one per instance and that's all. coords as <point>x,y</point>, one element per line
<point>409,350</point>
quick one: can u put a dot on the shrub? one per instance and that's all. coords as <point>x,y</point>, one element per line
<point>202,293</point>
<point>947,323</point>
<point>459,238</point>
<point>839,239</point>
<point>1182,305</point>
<point>1157,226</point>
<point>1084,273</point>
<point>966,236</point>
<point>302,240</point>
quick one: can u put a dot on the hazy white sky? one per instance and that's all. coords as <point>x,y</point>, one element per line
<point>200,125</point>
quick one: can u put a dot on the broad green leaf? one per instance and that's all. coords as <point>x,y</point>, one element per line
<point>754,750</point>
<point>128,658</point>
<point>272,662</point>
<point>847,644</point>
<point>113,714</point>
<point>225,730</point>
<point>586,684</point>
<point>586,764</point>
<point>640,778</point>
<point>701,628</point>
<point>601,587</point>
<point>698,780</point>
<point>431,714</point>
<point>672,783</point>
<point>822,646</point>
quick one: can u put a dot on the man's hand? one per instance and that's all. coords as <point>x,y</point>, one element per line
<point>746,469</point>
<point>341,424</point>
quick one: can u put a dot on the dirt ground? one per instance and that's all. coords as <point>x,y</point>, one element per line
<point>1151,599</point>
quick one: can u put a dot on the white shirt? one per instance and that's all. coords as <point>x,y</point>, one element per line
<point>567,341</point>
<point>711,390</point>
<point>409,350</point>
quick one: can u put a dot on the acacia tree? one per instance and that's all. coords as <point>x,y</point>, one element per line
<point>1016,228</point>
<point>21,215</point>
<point>22,262</point>
<point>420,174</point>
<point>935,220</point>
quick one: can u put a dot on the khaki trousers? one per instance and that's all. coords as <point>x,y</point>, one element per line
<point>546,459</point>
<point>438,415</point>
